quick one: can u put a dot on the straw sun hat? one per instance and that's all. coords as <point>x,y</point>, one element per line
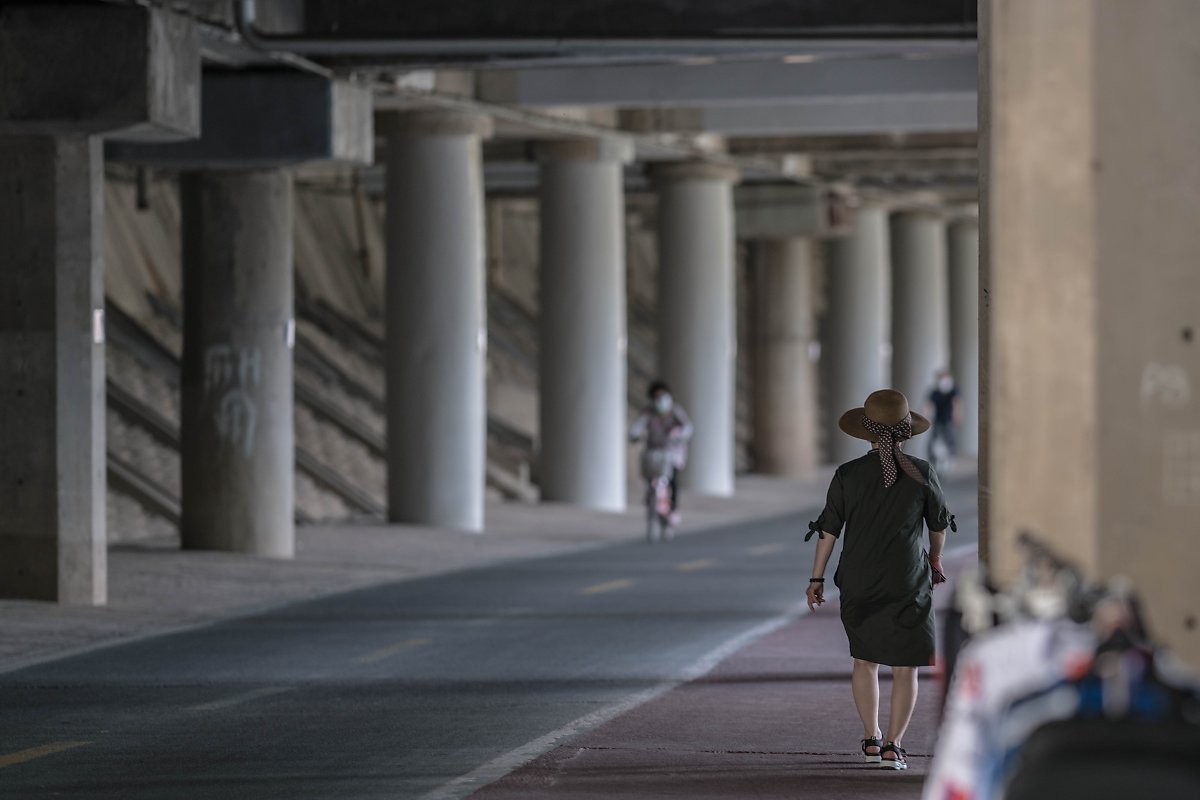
<point>886,407</point>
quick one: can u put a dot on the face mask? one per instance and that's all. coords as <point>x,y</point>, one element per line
<point>662,403</point>
<point>946,384</point>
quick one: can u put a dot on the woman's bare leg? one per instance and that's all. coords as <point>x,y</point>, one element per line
<point>904,700</point>
<point>865,684</point>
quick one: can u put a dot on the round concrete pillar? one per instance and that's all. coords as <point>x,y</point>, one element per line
<point>785,407</point>
<point>697,336</point>
<point>436,319</point>
<point>920,303</point>
<point>963,253</point>
<point>582,353</point>
<point>854,352</point>
<point>238,461</point>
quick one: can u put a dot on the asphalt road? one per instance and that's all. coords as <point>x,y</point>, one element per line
<point>393,691</point>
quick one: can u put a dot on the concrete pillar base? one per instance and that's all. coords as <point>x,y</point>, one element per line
<point>785,408</point>
<point>697,337</point>
<point>920,303</point>
<point>853,357</point>
<point>1094,362</point>
<point>237,446</point>
<point>52,439</point>
<point>436,319</point>
<point>582,356</point>
<point>963,253</point>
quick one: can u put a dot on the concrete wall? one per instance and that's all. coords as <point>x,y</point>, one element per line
<point>1095,337</point>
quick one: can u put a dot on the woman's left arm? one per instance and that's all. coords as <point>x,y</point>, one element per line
<point>937,543</point>
<point>816,586</point>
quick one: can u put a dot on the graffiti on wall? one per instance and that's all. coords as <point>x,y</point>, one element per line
<point>229,375</point>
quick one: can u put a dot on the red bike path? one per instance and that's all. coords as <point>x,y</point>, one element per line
<point>774,720</point>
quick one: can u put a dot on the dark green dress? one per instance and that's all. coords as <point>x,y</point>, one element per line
<point>884,576</point>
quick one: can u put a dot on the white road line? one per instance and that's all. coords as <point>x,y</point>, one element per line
<point>391,650</point>
<point>767,549</point>
<point>33,753</point>
<point>609,586</point>
<point>244,697</point>
<point>497,768</point>
<point>692,566</point>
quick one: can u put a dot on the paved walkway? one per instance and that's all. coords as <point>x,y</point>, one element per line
<point>440,686</point>
<point>774,720</point>
<point>155,588</point>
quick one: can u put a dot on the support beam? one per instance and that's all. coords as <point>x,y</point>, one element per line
<point>785,400</point>
<point>735,84</point>
<point>851,116</point>
<point>608,26</point>
<point>237,427</point>
<point>583,335</point>
<point>697,341</point>
<point>1095,354</point>
<point>854,358</point>
<point>52,462</point>
<point>963,257</point>
<point>266,120</point>
<point>920,303</point>
<point>771,211</point>
<point>98,69</point>
<point>436,323</point>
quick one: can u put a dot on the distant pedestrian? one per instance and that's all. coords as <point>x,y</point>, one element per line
<point>945,406</point>
<point>884,500</point>
<point>667,430</point>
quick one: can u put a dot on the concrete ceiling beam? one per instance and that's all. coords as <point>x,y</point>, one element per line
<point>266,120</point>
<point>98,69</point>
<point>732,83</point>
<point>867,115</point>
<point>781,211</point>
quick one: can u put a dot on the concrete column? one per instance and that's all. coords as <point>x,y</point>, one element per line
<point>785,403</point>
<point>963,256</point>
<point>853,353</point>
<point>583,336</point>
<point>436,319</point>
<point>984,466</point>
<point>697,336</point>
<point>1095,333</point>
<point>112,71</point>
<point>920,303</point>
<point>237,445</point>
<point>52,442</point>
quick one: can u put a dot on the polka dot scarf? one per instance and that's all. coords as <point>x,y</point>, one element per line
<point>890,453</point>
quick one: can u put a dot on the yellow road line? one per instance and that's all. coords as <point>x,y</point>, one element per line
<point>610,586</point>
<point>21,756</point>
<point>238,699</point>
<point>692,566</point>
<point>767,549</point>
<point>391,650</point>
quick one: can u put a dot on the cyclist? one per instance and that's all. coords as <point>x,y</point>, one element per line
<point>666,428</point>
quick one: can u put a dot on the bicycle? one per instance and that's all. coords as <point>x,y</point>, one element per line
<point>658,468</point>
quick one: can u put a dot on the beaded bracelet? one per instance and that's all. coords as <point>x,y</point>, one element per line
<point>816,580</point>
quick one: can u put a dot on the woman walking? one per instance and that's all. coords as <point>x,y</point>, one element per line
<point>884,500</point>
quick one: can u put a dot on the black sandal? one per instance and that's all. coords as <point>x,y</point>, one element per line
<point>899,762</point>
<point>871,758</point>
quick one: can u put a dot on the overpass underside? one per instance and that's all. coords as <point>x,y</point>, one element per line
<point>370,260</point>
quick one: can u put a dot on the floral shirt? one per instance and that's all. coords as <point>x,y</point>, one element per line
<point>670,431</point>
